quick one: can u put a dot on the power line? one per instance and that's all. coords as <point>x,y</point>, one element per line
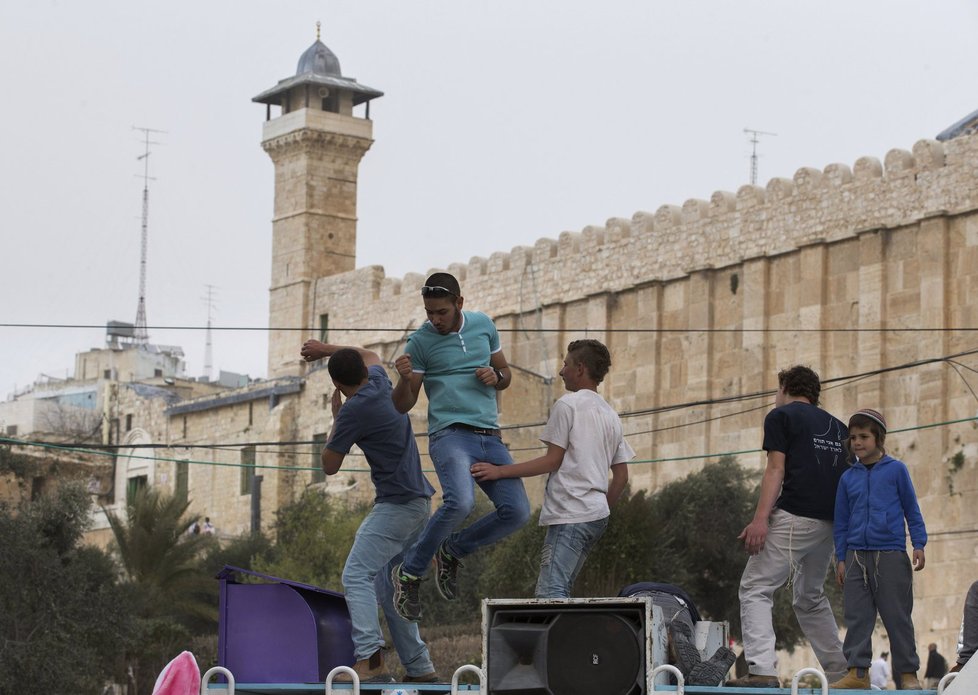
<point>829,384</point>
<point>670,331</point>
<point>224,464</point>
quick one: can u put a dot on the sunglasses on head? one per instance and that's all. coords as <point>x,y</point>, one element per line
<point>436,291</point>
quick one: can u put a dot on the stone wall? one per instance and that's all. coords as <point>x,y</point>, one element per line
<point>851,270</point>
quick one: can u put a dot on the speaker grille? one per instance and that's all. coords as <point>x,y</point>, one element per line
<point>567,650</point>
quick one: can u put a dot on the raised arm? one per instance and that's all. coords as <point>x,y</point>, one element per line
<point>408,386</point>
<point>313,350</point>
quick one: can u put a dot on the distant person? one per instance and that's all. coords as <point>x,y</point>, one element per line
<point>584,442</point>
<point>458,358</point>
<point>791,533</point>
<point>208,528</point>
<point>368,419</point>
<point>969,629</point>
<point>875,496</point>
<point>879,671</point>
<point>936,667</point>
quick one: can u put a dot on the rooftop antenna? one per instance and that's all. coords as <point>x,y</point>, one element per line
<point>208,349</point>
<point>140,334</point>
<point>753,153</point>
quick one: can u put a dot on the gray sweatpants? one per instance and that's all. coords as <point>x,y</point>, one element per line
<point>879,581</point>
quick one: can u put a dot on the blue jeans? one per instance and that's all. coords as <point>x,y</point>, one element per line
<point>383,536</point>
<point>453,450</point>
<point>565,549</point>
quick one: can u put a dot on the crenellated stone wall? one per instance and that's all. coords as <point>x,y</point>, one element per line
<point>868,272</point>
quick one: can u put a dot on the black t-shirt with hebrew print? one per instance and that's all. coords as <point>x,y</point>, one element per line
<point>812,442</point>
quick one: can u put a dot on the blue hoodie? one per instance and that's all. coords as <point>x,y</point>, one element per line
<point>870,508</point>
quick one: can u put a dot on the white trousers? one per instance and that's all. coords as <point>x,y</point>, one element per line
<point>798,549</point>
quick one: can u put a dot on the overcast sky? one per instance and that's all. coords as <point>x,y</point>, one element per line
<point>502,122</point>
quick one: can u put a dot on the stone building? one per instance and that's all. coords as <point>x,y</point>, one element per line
<point>868,273</point>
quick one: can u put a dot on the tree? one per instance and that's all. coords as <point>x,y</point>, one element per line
<point>175,597</point>
<point>683,534</point>
<point>64,618</point>
<point>312,537</point>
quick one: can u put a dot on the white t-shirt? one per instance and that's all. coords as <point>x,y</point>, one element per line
<point>879,673</point>
<point>589,431</point>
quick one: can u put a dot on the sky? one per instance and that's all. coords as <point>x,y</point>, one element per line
<point>501,123</point>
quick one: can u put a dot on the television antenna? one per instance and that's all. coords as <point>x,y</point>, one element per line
<point>140,333</point>
<point>754,139</point>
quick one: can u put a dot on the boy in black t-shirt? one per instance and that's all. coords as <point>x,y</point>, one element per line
<point>791,532</point>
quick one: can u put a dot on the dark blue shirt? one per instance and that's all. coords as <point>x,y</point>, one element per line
<point>369,420</point>
<point>812,443</point>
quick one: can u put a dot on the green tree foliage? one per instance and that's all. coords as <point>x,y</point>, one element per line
<point>312,537</point>
<point>683,534</point>
<point>64,619</point>
<point>175,597</point>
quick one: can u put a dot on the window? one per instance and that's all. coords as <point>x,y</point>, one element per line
<point>38,483</point>
<point>182,484</point>
<point>11,430</point>
<point>247,469</point>
<point>134,485</point>
<point>128,422</point>
<point>184,426</point>
<point>251,413</point>
<point>323,327</point>
<point>107,374</point>
<point>318,474</point>
<point>157,372</point>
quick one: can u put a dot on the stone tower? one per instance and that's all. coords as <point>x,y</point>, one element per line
<point>315,144</point>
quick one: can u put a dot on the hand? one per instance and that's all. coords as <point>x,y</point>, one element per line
<point>918,559</point>
<point>485,471</point>
<point>403,365</point>
<point>313,350</point>
<point>753,536</point>
<point>840,572</point>
<point>336,402</point>
<point>487,375</point>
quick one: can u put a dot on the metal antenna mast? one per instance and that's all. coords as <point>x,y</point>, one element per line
<point>140,334</point>
<point>208,349</point>
<point>753,154</point>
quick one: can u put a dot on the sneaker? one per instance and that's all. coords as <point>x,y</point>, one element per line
<point>752,680</point>
<point>446,573</point>
<point>369,670</point>
<point>423,678</point>
<point>908,681</point>
<point>855,679</point>
<point>407,594</point>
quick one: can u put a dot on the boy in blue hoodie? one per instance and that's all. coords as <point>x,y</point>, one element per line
<point>874,498</point>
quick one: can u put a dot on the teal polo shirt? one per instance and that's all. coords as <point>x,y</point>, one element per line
<point>448,363</point>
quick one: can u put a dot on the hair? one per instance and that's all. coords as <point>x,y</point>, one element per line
<point>800,381</point>
<point>868,423</point>
<point>445,280</point>
<point>593,355</point>
<point>346,366</point>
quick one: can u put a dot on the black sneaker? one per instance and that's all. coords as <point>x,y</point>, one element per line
<point>407,598</point>
<point>446,573</point>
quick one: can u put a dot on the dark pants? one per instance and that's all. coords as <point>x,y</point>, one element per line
<point>879,581</point>
<point>969,626</point>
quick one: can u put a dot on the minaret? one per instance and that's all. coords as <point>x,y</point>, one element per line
<point>316,144</point>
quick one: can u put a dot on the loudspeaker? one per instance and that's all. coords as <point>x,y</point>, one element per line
<point>567,646</point>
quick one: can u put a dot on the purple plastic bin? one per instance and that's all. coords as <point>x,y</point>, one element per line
<point>281,631</point>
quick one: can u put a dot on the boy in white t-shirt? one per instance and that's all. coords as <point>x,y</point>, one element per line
<point>584,441</point>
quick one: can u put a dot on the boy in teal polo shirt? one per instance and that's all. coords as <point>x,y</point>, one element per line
<point>457,356</point>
